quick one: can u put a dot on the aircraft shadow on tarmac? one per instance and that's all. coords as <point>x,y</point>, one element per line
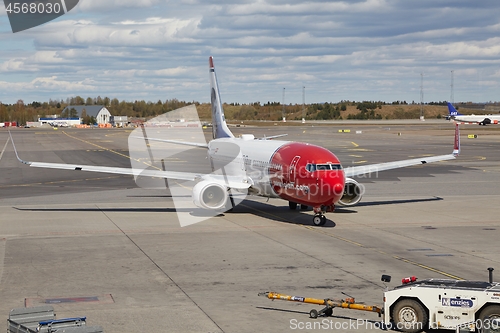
<point>261,209</point>
<point>397,202</point>
<point>96,209</point>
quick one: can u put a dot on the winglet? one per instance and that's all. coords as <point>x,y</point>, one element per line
<point>456,147</point>
<point>15,151</point>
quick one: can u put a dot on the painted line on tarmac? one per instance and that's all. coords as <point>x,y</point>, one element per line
<point>5,146</point>
<point>408,261</point>
<point>59,182</point>
<point>118,153</point>
<point>160,269</point>
<point>98,146</point>
<point>296,249</point>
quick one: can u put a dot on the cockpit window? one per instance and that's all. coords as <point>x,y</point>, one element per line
<point>321,167</point>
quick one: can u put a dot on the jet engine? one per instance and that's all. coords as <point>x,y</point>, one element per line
<point>209,195</point>
<point>486,121</point>
<point>353,192</point>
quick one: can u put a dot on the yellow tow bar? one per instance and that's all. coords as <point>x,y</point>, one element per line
<point>329,304</point>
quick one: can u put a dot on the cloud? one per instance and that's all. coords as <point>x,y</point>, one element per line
<point>99,5</point>
<point>361,50</point>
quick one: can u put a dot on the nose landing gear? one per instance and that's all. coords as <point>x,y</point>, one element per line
<point>319,220</point>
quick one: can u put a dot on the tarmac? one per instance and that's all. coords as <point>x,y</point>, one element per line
<point>97,245</point>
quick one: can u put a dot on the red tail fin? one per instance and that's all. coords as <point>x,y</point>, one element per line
<point>456,147</point>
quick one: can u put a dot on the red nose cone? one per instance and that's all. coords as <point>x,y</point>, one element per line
<point>337,184</point>
<point>338,188</point>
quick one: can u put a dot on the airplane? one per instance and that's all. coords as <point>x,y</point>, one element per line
<point>300,173</point>
<point>484,119</point>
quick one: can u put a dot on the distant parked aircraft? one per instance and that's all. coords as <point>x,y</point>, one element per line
<point>484,119</point>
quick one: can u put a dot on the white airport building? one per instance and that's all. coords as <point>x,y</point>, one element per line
<point>99,112</point>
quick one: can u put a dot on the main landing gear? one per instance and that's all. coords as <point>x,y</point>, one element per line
<point>294,205</point>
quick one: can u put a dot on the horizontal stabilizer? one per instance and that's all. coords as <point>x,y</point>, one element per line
<point>273,137</point>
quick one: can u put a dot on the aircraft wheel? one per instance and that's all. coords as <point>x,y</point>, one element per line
<point>292,205</point>
<point>304,207</point>
<point>319,220</point>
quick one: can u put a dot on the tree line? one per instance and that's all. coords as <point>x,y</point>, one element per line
<point>22,112</point>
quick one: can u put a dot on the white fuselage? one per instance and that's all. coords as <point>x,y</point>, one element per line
<point>478,118</point>
<point>250,158</point>
<point>283,169</point>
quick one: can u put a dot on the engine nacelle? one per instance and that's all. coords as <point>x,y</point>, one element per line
<point>486,121</point>
<point>353,192</point>
<point>210,195</point>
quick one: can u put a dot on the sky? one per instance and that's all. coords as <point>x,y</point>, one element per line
<point>377,50</point>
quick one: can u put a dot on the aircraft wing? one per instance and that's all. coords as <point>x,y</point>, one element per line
<point>230,181</point>
<point>365,169</point>
<point>185,143</point>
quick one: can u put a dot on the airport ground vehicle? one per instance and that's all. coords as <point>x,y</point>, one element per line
<point>415,305</point>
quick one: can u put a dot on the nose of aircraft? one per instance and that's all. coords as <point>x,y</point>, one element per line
<point>333,183</point>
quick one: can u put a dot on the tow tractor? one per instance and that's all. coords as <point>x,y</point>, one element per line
<point>414,306</point>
